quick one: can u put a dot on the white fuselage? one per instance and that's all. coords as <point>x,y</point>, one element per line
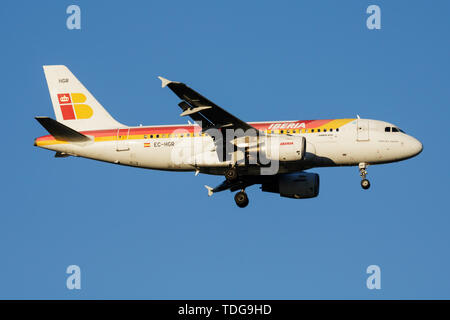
<point>357,141</point>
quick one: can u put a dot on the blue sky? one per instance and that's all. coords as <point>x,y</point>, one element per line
<point>146,234</point>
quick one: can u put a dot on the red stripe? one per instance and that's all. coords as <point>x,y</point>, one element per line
<point>317,123</point>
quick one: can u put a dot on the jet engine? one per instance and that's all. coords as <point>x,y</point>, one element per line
<point>300,185</point>
<point>280,148</point>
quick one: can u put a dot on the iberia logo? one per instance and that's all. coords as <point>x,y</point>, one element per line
<point>73,107</point>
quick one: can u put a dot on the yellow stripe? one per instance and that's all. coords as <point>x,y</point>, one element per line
<point>49,142</point>
<point>110,138</point>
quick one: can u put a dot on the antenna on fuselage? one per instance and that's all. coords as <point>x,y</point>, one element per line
<point>358,116</point>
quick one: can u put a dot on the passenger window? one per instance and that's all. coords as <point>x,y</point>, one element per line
<point>318,130</point>
<point>157,135</point>
<point>281,131</point>
<point>324,130</point>
<point>331,130</point>
<point>312,130</point>
<point>151,136</point>
<point>337,129</point>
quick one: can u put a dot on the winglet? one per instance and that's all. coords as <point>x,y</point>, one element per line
<point>210,190</point>
<point>164,81</point>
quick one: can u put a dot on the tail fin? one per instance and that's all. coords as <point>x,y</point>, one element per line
<point>73,104</point>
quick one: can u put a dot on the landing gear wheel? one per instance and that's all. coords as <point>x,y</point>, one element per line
<point>365,184</point>
<point>241,199</point>
<point>231,174</point>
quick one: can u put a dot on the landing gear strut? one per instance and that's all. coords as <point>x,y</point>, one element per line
<point>365,184</point>
<point>231,174</point>
<point>241,199</point>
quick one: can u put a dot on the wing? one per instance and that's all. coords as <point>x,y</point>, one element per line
<point>203,111</point>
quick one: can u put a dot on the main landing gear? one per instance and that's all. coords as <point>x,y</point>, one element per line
<point>231,174</point>
<point>365,184</point>
<point>241,199</point>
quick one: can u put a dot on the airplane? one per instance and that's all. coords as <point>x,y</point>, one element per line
<point>272,154</point>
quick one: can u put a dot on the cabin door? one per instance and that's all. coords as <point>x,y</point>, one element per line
<point>122,142</point>
<point>362,130</point>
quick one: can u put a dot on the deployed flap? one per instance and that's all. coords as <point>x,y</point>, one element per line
<point>60,131</point>
<point>59,154</point>
<point>190,111</point>
<point>201,109</point>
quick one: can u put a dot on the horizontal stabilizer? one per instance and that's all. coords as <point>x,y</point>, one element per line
<point>60,131</point>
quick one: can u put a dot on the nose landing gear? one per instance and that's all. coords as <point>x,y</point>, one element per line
<point>365,184</point>
<point>241,199</point>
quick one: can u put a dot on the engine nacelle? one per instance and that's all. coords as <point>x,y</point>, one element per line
<point>300,185</point>
<point>281,148</point>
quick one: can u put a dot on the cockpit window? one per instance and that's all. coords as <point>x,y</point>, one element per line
<point>393,129</point>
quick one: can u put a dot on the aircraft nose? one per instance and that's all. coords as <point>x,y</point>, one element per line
<point>415,147</point>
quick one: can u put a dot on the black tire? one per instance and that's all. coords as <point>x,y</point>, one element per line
<point>231,174</point>
<point>241,199</point>
<point>365,184</point>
